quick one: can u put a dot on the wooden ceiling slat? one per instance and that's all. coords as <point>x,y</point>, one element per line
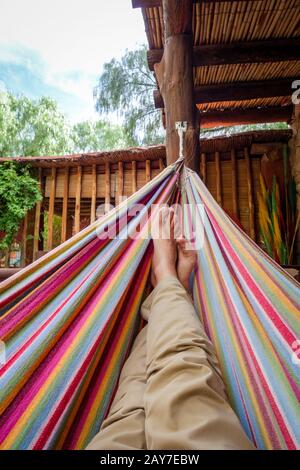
<point>212,75</point>
<point>238,21</point>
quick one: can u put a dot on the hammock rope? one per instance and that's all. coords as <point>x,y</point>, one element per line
<point>68,322</point>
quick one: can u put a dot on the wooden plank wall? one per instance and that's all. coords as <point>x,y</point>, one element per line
<point>233,180</point>
<point>74,193</point>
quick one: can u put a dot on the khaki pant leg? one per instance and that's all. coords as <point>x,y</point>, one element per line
<point>186,405</point>
<point>124,427</point>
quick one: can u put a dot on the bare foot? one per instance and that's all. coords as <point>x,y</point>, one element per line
<point>165,252</point>
<point>187,258</point>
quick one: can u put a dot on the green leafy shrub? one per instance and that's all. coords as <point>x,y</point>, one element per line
<point>19,192</point>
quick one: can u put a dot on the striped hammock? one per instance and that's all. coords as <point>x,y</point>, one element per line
<point>68,322</point>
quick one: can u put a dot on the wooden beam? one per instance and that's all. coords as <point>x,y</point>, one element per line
<point>238,116</point>
<point>275,50</point>
<point>51,209</point>
<point>250,194</point>
<point>78,200</point>
<point>5,273</point>
<point>158,3</point>
<point>218,178</point>
<point>64,217</point>
<point>37,221</point>
<point>94,193</point>
<point>237,91</point>
<point>235,209</point>
<point>175,78</point>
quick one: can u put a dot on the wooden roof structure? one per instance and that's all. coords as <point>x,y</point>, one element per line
<point>154,152</point>
<point>220,63</point>
<point>245,57</point>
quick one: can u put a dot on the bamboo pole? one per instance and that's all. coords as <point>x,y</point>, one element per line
<point>133,177</point>
<point>250,194</point>
<point>148,171</point>
<point>234,184</point>
<point>51,209</point>
<point>203,167</point>
<point>78,200</point>
<point>94,193</point>
<point>37,220</point>
<point>64,216</point>
<point>107,186</point>
<point>218,178</point>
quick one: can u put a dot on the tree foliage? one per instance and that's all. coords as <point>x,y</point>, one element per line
<point>19,192</point>
<point>126,87</point>
<point>90,136</point>
<point>38,127</point>
<point>29,127</point>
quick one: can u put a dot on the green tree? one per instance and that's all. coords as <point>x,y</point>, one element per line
<point>126,87</point>
<point>32,127</point>
<point>98,136</point>
<point>19,192</point>
<point>38,127</point>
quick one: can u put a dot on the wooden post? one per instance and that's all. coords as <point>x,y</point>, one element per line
<point>294,145</point>
<point>175,78</point>
<point>64,216</point>
<point>51,209</point>
<point>203,167</point>
<point>37,221</point>
<point>250,194</point>
<point>218,178</point>
<point>107,186</point>
<point>78,200</point>
<point>70,220</point>
<point>235,209</point>
<point>120,182</point>
<point>148,171</point>
<point>94,193</point>
<point>24,241</point>
<point>133,177</point>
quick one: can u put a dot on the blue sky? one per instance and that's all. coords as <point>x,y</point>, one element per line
<point>58,47</point>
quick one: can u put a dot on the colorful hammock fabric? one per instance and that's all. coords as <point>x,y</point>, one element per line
<point>69,319</point>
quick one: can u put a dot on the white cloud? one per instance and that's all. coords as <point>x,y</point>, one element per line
<point>66,42</point>
<point>72,34</point>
